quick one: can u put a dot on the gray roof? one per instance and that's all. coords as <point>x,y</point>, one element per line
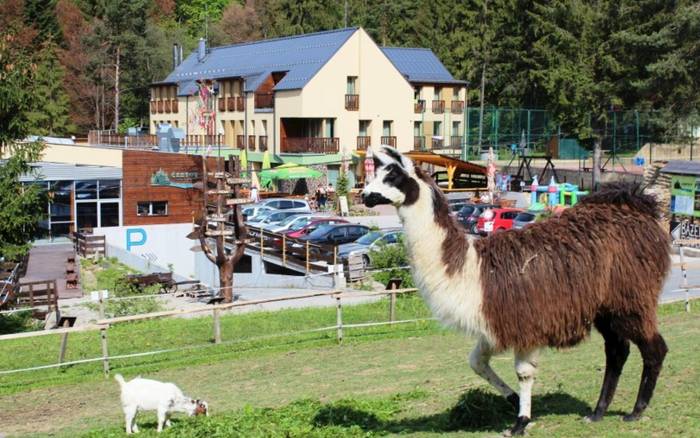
<point>682,167</point>
<point>69,172</point>
<point>300,56</point>
<point>420,65</point>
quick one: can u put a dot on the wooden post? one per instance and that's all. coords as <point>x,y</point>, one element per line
<point>307,257</point>
<point>684,271</point>
<point>262,252</point>
<point>339,319</point>
<point>392,303</point>
<point>31,295</point>
<point>64,343</point>
<point>217,326</point>
<point>101,303</point>
<point>284,249</point>
<point>105,351</point>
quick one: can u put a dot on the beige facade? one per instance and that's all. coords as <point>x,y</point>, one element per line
<point>357,99</point>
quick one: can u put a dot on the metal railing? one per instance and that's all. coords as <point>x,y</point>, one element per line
<point>352,102</point>
<point>321,145</point>
<point>363,142</point>
<point>112,138</point>
<point>389,140</point>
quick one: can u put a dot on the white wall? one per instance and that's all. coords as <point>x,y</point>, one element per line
<point>164,245</point>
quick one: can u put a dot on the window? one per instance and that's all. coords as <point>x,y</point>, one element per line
<point>109,214</point>
<point>417,92</point>
<point>299,204</point>
<point>364,128</point>
<point>455,93</point>
<point>417,129</point>
<point>330,129</point>
<point>437,128</point>
<point>86,190</point>
<point>152,208</point>
<point>386,128</point>
<point>455,128</point>
<point>286,204</point>
<point>109,188</point>
<point>436,93</point>
<point>391,238</point>
<point>352,85</point>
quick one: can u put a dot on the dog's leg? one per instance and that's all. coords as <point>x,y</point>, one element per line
<point>167,420</point>
<point>129,419</point>
<point>162,413</point>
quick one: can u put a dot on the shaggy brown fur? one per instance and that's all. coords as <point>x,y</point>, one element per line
<point>547,284</point>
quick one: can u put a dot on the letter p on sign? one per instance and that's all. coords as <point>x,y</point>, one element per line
<point>135,237</point>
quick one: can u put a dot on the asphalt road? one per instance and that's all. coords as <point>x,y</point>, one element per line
<point>674,280</point>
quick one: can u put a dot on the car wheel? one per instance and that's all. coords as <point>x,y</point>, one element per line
<point>473,229</point>
<point>365,262</point>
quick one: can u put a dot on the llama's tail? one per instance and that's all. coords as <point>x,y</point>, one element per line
<point>629,194</point>
<point>119,379</point>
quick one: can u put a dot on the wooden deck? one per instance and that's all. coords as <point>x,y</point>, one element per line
<point>48,262</point>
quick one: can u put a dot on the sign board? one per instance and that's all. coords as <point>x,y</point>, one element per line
<point>95,295</point>
<point>356,267</point>
<point>344,210</point>
<point>180,180</point>
<point>683,195</point>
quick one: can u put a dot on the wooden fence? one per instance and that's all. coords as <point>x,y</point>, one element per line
<point>103,324</point>
<point>37,294</point>
<point>87,244</point>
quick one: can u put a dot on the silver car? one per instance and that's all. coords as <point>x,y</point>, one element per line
<point>370,241</point>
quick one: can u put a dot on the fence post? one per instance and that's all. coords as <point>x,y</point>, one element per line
<point>64,343</point>
<point>307,257</point>
<point>101,302</point>
<point>339,319</point>
<point>284,249</point>
<point>217,326</point>
<point>262,251</point>
<point>684,271</point>
<point>392,303</point>
<point>105,351</point>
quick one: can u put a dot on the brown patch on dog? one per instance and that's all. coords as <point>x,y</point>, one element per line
<point>456,244</point>
<point>201,408</point>
<point>547,283</point>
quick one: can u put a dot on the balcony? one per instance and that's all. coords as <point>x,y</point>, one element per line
<point>173,105</point>
<point>203,140</point>
<point>153,106</point>
<point>437,143</point>
<point>419,106</point>
<point>231,103</point>
<point>167,105</point>
<point>262,143</point>
<point>363,142</point>
<point>389,140</point>
<point>222,104</point>
<point>352,102</point>
<point>418,143</point>
<point>240,141</point>
<point>456,142</point>
<point>160,106</point>
<point>438,106</point>
<point>251,142</point>
<point>240,103</point>
<point>457,106</point>
<point>264,100</point>
<point>317,145</point>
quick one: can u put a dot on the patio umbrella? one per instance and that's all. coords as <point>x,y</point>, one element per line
<point>266,160</point>
<point>369,165</point>
<point>244,162</point>
<point>289,171</point>
<point>491,174</point>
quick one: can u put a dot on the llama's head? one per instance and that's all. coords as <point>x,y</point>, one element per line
<point>395,181</point>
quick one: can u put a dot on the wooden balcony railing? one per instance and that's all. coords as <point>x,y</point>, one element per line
<point>264,100</point>
<point>418,142</point>
<point>152,106</point>
<point>160,106</point>
<point>203,140</point>
<point>319,145</point>
<point>167,105</point>
<point>240,103</point>
<point>389,140</point>
<point>437,143</point>
<point>111,138</point>
<point>363,142</point>
<point>240,141</point>
<point>251,142</point>
<point>438,106</point>
<point>419,106</point>
<point>173,105</point>
<point>457,106</point>
<point>352,102</point>
<point>262,143</point>
<point>222,104</point>
<point>231,103</point>
<point>456,141</point>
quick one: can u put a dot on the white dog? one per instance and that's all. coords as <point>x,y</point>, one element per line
<point>150,395</point>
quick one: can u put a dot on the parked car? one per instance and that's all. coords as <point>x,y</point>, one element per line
<point>525,218</point>
<point>336,234</point>
<point>311,226</point>
<point>299,220</point>
<point>255,210</point>
<point>287,204</point>
<point>370,241</point>
<point>468,216</point>
<point>496,219</point>
<point>275,217</point>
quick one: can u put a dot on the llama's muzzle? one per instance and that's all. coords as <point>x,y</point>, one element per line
<point>374,198</point>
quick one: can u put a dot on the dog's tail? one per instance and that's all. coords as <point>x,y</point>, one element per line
<point>119,379</point>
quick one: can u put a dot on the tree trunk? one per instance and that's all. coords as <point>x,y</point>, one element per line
<point>226,281</point>
<point>596,164</point>
<point>481,104</point>
<point>116,90</point>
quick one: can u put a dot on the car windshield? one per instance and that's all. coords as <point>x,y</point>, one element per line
<point>525,217</point>
<point>321,230</point>
<point>289,220</point>
<point>369,238</point>
<point>467,210</point>
<point>300,223</point>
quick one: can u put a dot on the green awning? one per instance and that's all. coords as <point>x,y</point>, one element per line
<point>311,159</point>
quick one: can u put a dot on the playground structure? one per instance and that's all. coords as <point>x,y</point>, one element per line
<point>553,195</point>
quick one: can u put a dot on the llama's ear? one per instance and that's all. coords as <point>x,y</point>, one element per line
<point>399,158</point>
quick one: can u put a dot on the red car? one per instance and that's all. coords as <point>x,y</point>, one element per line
<point>311,226</point>
<point>496,219</point>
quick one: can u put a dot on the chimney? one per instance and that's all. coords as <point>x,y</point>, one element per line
<point>201,49</point>
<point>176,52</point>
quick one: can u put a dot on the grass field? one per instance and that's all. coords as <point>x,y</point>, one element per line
<point>408,380</point>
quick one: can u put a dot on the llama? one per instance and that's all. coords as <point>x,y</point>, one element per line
<point>601,263</point>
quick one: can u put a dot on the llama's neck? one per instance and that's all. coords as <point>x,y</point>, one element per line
<point>445,264</point>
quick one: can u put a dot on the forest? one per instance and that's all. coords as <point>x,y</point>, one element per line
<point>93,60</point>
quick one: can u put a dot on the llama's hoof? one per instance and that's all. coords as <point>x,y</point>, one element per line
<point>632,417</point>
<point>593,418</point>
<point>519,428</point>
<point>514,400</point>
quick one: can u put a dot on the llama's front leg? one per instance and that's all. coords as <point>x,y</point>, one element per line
<point>525,368</point>
<point>479,361</point>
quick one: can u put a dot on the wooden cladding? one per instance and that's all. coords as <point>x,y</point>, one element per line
<point>164,106</point>
<point>264,100</point>
<point>139,167</point>
<point>231,103</point>
<point>352,102</point>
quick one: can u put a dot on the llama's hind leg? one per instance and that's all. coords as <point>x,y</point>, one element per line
<point>525,368</point>
<point>653,351</point>
<point>616,351</point>
<point>479,361</point>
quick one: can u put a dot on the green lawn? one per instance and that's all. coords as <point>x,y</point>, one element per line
<point>409,380</point>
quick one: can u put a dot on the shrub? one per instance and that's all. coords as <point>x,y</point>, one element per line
<point>388,257</point>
